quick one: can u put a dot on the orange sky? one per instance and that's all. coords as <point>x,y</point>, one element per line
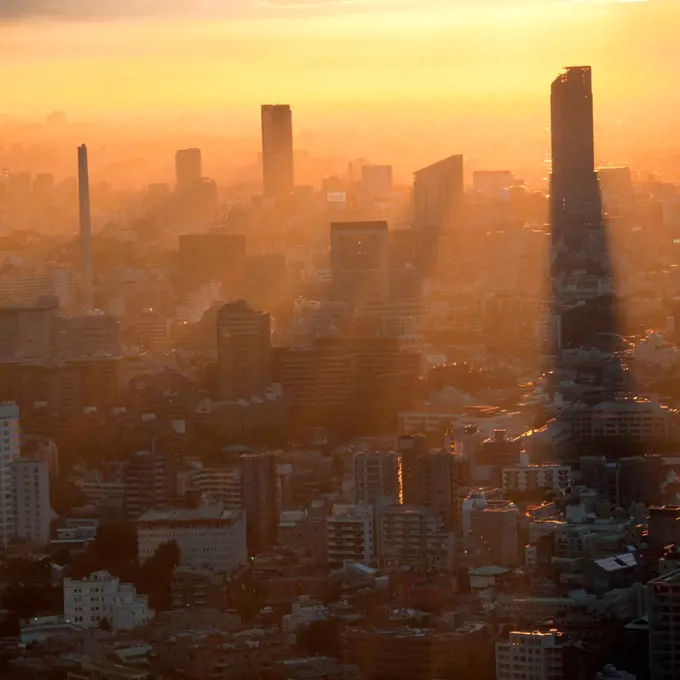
<point>435,58</point>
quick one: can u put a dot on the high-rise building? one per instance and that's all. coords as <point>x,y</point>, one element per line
<point>244,351</point>
<point>438,194</point>
<point>574,191</point>
<point>188,167</point>
<point>260,500</point>
<point>29,333</point>
<point>149,483</point>
<point>31,479</point>
<point>277,150</point>
<point>429,478</point>
<point>360,262</point>
<point>377,478</point>
<point>9,452</point>
<point>85,226</point>
<point>664,633</point>
<point>211,257</point>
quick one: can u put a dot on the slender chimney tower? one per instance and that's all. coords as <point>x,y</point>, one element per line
<point>85,226</point>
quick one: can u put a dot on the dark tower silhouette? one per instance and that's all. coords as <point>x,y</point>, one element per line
<point>85,226</point>
<point>277,150</point>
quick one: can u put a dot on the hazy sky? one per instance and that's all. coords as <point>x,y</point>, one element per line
<point>438,58</point>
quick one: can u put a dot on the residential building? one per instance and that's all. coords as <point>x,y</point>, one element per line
<point>377,478</point>
<point>664,632</point>
<point>527,478</point>
<point>277,150</point>
<point>208,536</point>
<point>29,332</point>
<point>534,655</point>
<point>91,335</point>
<point>244,349</point>
<point>414,536</point>
<point>493,537</point>
<point>9,451</point>
<point>350,536</point>
<point>149,483</point>
<point>31,480</point>
<point>90,601</point>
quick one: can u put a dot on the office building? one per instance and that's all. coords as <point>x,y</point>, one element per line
<point>31,481</point>
<point>376,183</point>
<point>244,351</point>
<point>90,601</point>
<point>664,632</point>
<point>188,167</point>
<point>85,227</point>
<point>350,536</point>
<point>438,194</point>
<point>149,483</point>
<point>574,190</point>
<point>277,150</point>
<point>90,335</point>
<point>260,500</point>
<point>29,333</point>
<point>377,478</point>
<point>534,654</point>
<point>208,536</point>
<point>9,452</point>
<point>360,262</point>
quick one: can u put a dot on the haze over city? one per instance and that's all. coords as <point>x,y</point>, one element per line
<point>339,340</point>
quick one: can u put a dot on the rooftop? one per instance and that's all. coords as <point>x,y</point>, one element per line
<point>214,511</point>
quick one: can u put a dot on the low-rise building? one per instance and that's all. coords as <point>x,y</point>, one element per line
<point>534,654</point>
<point>208,536</point>
<point>90,601</point>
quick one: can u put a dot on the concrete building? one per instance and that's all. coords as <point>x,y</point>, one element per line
<point>664,636</point>
<point>260,500</point>
<point>429,478</point>
<point>534,654</point>
<point>29,332</point>
<point>377,478</point>
<point>188,167</point>
<point>149,483</point>
<point>87,280</point>
<point>526,478</point>
<point>31,481</point>
<point>493,537</point>
<point>350,536</point>
<point>277,150</point>
<point>244,349</point>
<point>9,452</point>
<point>24,288</point>
<point>414,536</point>
<point>89,601</point>
<point>360,262</point>
<point>92,335</point>
<point>208,536</point>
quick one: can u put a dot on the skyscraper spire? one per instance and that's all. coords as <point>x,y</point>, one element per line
<point>85,226</point>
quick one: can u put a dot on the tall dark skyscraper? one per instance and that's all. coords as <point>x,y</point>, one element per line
<point>574,192</point>
<point>85,226</point>
<point>188,167</point>
<point>277,150</point>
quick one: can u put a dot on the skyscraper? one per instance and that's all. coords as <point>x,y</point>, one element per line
<point>360,262</point>
<point>188,167</point>
<point>85,225</point>
<point>244,351</point>
<point>438,193</point>
<point>277,150</point>
<point>260,500</point>
<point>9,452</point>
<point>574,191</point>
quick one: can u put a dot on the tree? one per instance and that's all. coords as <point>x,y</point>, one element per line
<point>105,625</point>
<point>156,575</point>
